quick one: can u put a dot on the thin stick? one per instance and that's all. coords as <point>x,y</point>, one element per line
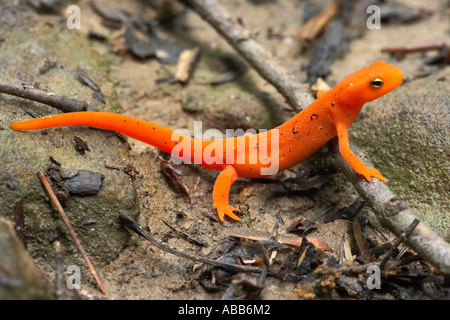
<point>4,269</point>
<point>19,223</point>
<point>186,235</point>
<point>411,48</point>
<point>129,223</point>
<point>71,230</point>
<point>404,236</point>
<point>359,239</point>
<point>314,26</point>
<point>196,184</point>
<point>59,102</point>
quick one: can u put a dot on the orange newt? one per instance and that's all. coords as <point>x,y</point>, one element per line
<point>255,155</point>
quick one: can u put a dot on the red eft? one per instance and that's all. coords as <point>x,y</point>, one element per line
<point>285,146</point>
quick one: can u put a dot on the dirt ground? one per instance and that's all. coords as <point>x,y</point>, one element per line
<point>141,271</point>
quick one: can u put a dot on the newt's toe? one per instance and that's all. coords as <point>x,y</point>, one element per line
<point>371,172</point>
<point>225,209</point>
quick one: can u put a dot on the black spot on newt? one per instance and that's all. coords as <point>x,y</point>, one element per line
<point>332,104</point>
<point>314,117</point>
<point>293,131</point>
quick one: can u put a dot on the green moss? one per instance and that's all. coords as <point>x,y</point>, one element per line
<point>407,136</point>
<point>25,153</point>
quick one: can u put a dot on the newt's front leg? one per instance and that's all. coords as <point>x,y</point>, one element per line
<point>221,192</point>
<point>352,159</point>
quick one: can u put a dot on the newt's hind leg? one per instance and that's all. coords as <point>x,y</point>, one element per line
<point>221,192</point>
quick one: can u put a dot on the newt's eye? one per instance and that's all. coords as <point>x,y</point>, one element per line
<point>376,83</point>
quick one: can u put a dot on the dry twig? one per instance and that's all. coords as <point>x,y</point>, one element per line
<point>444,51</point>
<point>404,236</point>
<point>59,102</point>
<point>19,222</point>
<point>186,235</point>
<point>129,223</point>
<point>186,64</point>
<point>415,48</point>
<point>314,26</point>
<point>7,271</point>
<point>71,230</point>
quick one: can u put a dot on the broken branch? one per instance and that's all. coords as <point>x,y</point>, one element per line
<point>411,48</point>
<point>314,26</point>
<point>71,230</point>
<point>129,223</point>
<point>59,102</point>
<point>404,236</point>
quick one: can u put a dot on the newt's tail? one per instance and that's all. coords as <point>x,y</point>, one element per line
<point>158,136</point>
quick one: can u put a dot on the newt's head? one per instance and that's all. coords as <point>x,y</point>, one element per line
<point>371,82</point>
